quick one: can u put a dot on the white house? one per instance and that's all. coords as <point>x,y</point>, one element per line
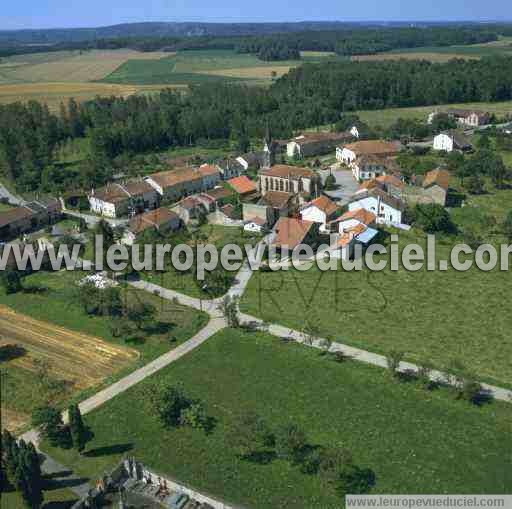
<point>387,208</point>
<point>451,140</point>
<point>354,132</point>
<point>255,225</point>
<point>321,210</point>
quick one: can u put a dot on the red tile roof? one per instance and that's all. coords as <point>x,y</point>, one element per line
<point>362,215</point>
<point>291,232</point>
<point>437,177</point>
<point>152,219</point>
<point>324,204</point>
<point>286,171</point>
<point>242,185</point>
<point>374,147</point>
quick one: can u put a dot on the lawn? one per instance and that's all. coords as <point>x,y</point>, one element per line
<point>414,440</point>
<point>433,317</point>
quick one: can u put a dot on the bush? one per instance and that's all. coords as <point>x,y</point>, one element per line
<point>290,442</point>
<point>433,218</point>
<point>393,359</point>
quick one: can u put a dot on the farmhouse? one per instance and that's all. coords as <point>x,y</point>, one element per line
<point>313,144</point>
<point>162,220</point>
<point>289,179</point>
<point>115,200</point>
<point>175,184</point>
<point>470,118</point>
<point>433,188</point>
<point>290,232</point>
<point>452,140</point>
<point>29,217</point>
<point>386,208</point>
<point>347,154</point>
<point>321,210</point>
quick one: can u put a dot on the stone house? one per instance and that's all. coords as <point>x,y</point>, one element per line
<point>289,179</point>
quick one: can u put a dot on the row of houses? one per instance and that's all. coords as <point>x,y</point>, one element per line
<point>32,216</point>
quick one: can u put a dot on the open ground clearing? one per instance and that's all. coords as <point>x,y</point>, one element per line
<point>399,430</point>
<point>80,351</point>
<point>434,317</point>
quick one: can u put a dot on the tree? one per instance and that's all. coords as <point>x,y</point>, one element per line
<point>11,281</point>
<point>169,401</point>
<point>194,416</point>
<point>141,313</point>
<point>105,231</point>
<point>249,433</point>
<point>330,182</point>
<point>229,309</point>
<point>49,422</point>
<point>433,218</point>
<point>290,442</point>
<point>393,359</point>
<point>333,461</point>
<point>475,185</point>
<point>310,331</point>
<point>77,429</point>
<point>355,480</point>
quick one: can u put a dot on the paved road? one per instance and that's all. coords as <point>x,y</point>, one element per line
<point>11,198</point>
<point>347,185</point>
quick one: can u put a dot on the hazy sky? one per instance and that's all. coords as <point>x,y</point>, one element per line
<point>73,13</point>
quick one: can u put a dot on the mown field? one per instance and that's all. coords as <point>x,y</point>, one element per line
<point>388,116</point>
<point>62,352</point>
<point>414,440</point>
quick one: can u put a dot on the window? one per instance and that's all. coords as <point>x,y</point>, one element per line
<point>281,185</point>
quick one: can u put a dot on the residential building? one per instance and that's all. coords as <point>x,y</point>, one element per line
<point>29,217</point>
<point>115,200</point>
<point>321,210</point>
<point>175,184</point>
<point>313,144</point>
<point>191,207</point>
<point>452,140</point>
<point>389,183</point>
<point>370,166</point>
<point>255,225</point>
<point>271,207</point>
<point>291,232</point>
<point>289,179</point>
<point>432,188</point>
<point>470,118</point>
<point>230,168</point>
<point>347,154</point>
<point>162,220</point>
<point>243,185</point>
<point>387,208</point>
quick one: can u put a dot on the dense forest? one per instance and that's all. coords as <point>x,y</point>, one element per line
<point>282,46</point>
<point>311,95</point>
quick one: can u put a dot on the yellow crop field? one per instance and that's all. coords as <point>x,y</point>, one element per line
<point>79,360</point>
<point>54,93</point>
<point>259,72</point>
<point>76,67</point>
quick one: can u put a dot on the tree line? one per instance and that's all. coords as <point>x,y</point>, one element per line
<point>311,95</point>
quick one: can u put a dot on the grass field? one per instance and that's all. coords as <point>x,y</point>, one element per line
<point>66,337</point>
<point>387,116</point>
<point>434,317</point>
<point>200,66</point>
<point>415,441</point>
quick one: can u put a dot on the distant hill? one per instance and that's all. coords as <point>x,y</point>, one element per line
<point>186,29</point>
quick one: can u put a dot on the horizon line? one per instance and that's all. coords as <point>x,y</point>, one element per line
<point>296,22</point>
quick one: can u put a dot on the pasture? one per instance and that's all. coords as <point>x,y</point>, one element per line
<point>434,317</point>
<point>416,441</point>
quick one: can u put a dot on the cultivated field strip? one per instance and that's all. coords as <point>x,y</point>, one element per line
<point>79,358</point>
